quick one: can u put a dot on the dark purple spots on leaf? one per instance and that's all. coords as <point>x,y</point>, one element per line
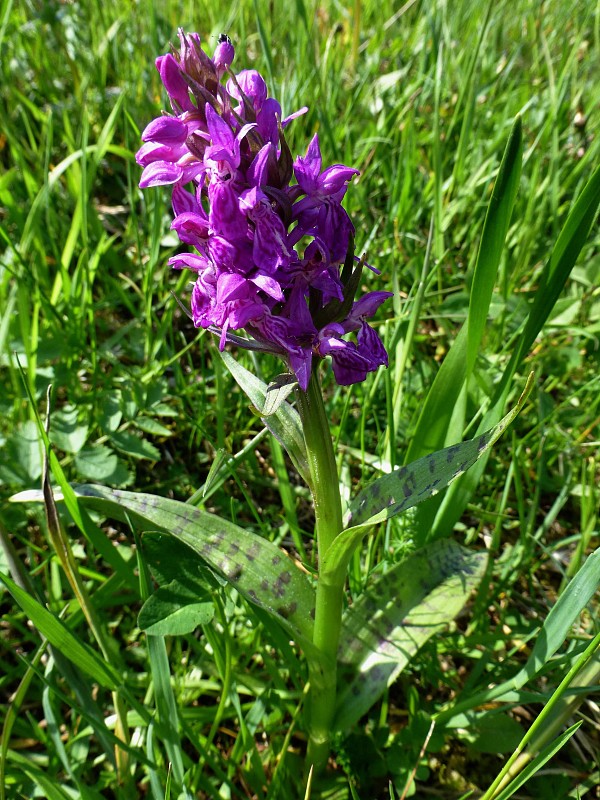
<point>431,463</point>
<point>293,607</point>
<point>234,548</point>
<point>275,560</point>
<point>285,577</point>
<point>252,594</point>
<point>409,485</point>
<point>451,453</point>
<point>264,585</point>
<point>376,674</point>
<point>481,444</point>
<point>253,551</point>
<point>235,573</point>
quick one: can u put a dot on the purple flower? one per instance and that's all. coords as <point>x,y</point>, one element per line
<point>270,256</point>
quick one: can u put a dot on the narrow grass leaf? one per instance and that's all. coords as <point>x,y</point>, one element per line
<point>553,633</point>
<point>538,762</point>
<point>63,639</point>
<point>165,703</point>
<point>390,621</point>
<point>563,614</point>
<point>495,228</point>
<point>564,255</point>
<point>50,789</point>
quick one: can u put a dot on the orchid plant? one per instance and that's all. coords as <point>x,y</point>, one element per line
<point>272,252</point>
<point>275,271</point>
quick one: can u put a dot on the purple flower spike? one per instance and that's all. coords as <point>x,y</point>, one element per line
<point>272,257</point>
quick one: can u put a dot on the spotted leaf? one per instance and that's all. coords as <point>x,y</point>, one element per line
<point>407,487</point>
<point>387,625</point>
<point>258,569</point>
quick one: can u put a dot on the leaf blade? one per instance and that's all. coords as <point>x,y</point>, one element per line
<point>388,623</point>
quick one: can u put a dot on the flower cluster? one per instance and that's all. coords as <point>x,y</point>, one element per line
<point>274,252</point>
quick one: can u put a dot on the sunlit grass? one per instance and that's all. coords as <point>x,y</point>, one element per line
<point>423,106</point>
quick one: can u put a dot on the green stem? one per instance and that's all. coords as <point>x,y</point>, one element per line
<point>325,490</point>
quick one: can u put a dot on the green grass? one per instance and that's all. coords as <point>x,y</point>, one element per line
<point>422,99</point>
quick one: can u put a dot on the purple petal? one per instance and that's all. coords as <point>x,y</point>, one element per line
<point>307,169</point>
<point>225,216</point>
<point>219,130</point>
<point>335,178</point>
<point>189,261</point>
<point>160,173</point>
<point>269,286</point>
<point>299,113</point>
<point>252,84</point>
<point>183,201</point>
<point>231,287</point>
<point>258,170</point>
<point>191,228</point>
<point>166,130</point>
<point>369,303</point>
<point>371,346</point>
<point>174,82</point>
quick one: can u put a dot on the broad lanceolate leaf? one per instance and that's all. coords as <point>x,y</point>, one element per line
<point>284,423</point>
<point>258,569</point>
<point>388,624</point>
<point>407,487</point>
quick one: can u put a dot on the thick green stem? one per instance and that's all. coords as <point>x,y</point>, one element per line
<point>329,600</point>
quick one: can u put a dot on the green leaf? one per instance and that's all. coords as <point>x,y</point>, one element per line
<point>538,762</point>
<point>22,456</point>
<point>551,283</point>
<point>110,412</point>
<point>171,560</point>
<point>133,446</point>
<point>100,463</point>
<point>563,258</point>
<point>553,633</point>
<point>152,426</point>
<point>258,569</point>
<point>563,614</point>
<point>407,487</point>
<point>66,432</point>
<point>493,733</point>
<point>284,424</point>
<point>389,622</point>
<point>495,228</point>
<point>174,610</point>
<point>277,392</point>
<point>61,637</point>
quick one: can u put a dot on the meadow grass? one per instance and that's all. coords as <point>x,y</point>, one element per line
<point>422,99</point>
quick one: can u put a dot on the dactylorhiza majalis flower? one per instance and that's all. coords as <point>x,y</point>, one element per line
<point>274,249</point>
